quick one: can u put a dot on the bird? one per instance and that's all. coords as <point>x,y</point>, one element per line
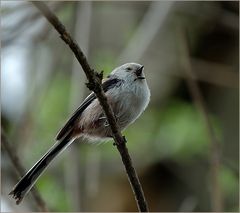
<point>127,93</point>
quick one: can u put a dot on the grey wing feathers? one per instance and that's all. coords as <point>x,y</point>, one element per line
<point>108,84</point>
<point>68,126</point>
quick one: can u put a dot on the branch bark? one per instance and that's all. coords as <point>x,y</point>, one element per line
<point>94,84</point>
<point>21,171</point>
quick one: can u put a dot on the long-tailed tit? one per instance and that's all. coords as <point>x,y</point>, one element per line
<point>127,93</point>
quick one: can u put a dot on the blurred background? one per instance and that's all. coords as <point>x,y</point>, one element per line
<point>184,163</point>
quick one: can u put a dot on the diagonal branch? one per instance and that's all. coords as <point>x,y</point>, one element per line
<point>94,84</point>
<point>21,171</point>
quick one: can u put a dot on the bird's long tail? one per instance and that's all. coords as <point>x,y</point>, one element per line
<point>29,179</point>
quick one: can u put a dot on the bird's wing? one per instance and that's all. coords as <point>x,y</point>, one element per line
<point>107,85</point>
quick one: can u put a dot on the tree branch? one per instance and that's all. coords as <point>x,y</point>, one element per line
<point>21,171</point>
<point>94,84</point>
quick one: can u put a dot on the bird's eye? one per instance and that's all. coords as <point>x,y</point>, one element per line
<point>128,68</point>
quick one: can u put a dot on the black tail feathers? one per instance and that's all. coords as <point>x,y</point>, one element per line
<point>29,179</point>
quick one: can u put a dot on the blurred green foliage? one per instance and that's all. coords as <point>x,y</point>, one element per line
<point>230,186</point>
<point>53,192</point>
<point>50,112</point>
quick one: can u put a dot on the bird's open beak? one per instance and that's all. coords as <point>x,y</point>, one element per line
<point>139,73</point>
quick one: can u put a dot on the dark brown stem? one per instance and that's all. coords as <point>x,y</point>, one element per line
<point>21,171</point>
<point>94,84</point>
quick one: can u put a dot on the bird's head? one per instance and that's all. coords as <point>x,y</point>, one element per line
<point>129,72</point>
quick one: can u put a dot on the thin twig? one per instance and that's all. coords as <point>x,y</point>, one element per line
<point>21,171</point>
<point>216,194</point>
<point>94,84</point>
